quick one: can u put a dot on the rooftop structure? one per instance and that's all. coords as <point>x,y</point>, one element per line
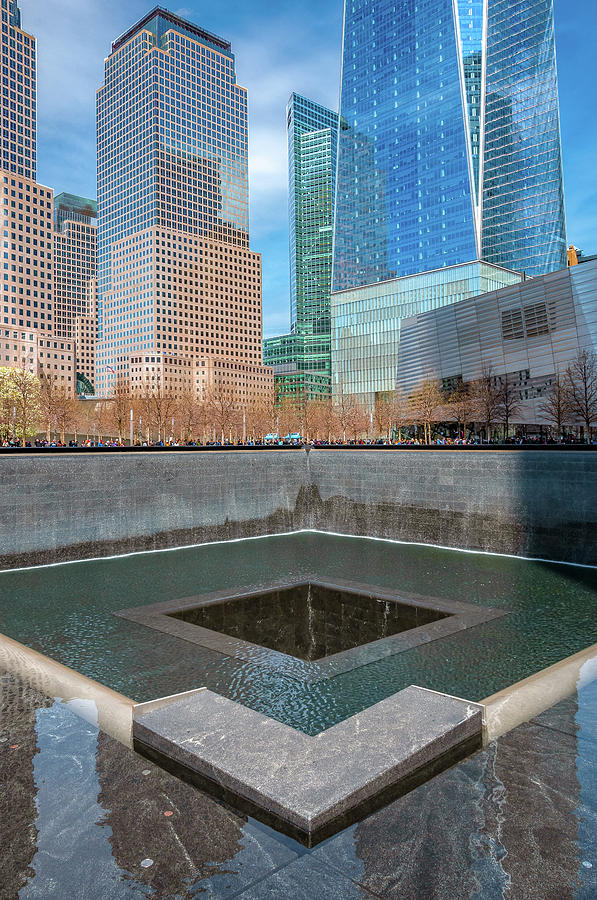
<point>70,207</point>
<point>160,20</point>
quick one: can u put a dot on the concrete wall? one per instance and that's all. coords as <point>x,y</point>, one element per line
<point>57,506</point>
<point>528,503</point>
<point>531,503</point>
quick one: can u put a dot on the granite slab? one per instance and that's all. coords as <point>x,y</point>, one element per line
<point>309,786</point>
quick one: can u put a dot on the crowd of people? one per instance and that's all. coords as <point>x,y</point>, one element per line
<point>405,441</point>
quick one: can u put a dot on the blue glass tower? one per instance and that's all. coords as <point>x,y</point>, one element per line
<point>523,196</point>
<point>449,148</point>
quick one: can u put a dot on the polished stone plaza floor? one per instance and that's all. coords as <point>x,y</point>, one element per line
<point>81,816</point>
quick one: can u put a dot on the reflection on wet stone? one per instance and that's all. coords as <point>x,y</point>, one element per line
<point>78,816</point>
<point>197,842</point>
<point>503,824</point>
<point>542,807</point>
<point>18,812</point>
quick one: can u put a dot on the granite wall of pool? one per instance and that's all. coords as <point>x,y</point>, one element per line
<point>58,507</point>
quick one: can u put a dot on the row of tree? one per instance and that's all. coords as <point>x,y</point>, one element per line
<point>570,400</point>
<point>30,406</point>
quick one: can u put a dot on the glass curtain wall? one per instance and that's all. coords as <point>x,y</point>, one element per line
<point>449,147</point>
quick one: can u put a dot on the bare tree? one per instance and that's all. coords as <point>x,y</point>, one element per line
<point>87,417</point>
<point>312,419</point>
<point>204,419</point>
<point>222,403</point>
<point>344,406</point>
<point>462,406</point>
<point>103,420</point>
<point>65,411</point>
<point>190,415</point>
<point>258,418</point>
<point>487,398</point>
<point>555,405</point>
<point>509,401</point>
<point>401,412</point>
<point>359,420</point>
<point>49,403</point>
<point>59,407</point>
<point>426,399</point>
<point>581,389</point>
<point>121,403</point>
<point>288,417</point>
<point>383,414</point>
<point>158,408</point>
<point>328,420</point>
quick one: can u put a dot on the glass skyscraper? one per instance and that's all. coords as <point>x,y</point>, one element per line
<point>18,95</point>
<point>176,278</point>
<point>312,149</point>
<point>26,288</point>
<point>449,149</point>
<point>75,260</point>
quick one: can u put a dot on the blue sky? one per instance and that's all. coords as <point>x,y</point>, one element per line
<point>279,48</point>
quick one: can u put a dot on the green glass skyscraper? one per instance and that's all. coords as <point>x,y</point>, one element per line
<point>301,359</point>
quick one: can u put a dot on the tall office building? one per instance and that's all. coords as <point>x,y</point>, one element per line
<point>177,282</point>
<point>75,272</point>
<point>75,253</point>
<point>301,359</point>
<point>27,276</point>
<point>450,146</point>
<point>18,92</point>
<point>449,163</point>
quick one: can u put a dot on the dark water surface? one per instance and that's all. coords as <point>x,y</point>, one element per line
<point>309,621</point>
<point>66,611</point>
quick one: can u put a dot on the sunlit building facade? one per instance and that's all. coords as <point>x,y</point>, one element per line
<point>27,276</point>
<point>26,207</point>
<point>75,259</point>
<point>27,314</point>
<point>176,276</point>
<point>529,333</point>
<point>366,332</point>
<point>301,359</point>
<point>84,340</point>
<point>18,149</point>
<point>449,149</point>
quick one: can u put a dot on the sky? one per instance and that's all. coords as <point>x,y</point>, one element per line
<point>279,47</point>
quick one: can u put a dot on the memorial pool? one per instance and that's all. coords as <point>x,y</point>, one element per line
<point>66,612</point>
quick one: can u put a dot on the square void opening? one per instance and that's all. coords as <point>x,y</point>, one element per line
<point>309,621</point>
